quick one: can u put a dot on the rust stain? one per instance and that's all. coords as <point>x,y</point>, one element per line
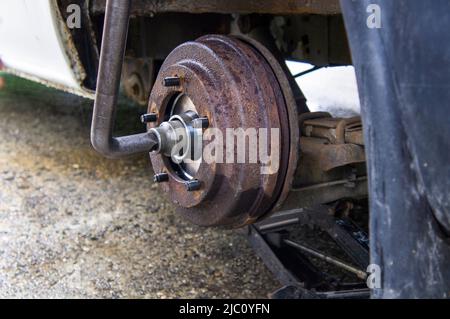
<point>233,85</point>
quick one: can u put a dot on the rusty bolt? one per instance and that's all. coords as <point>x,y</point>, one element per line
<point>161,177</point>
<point>192,185</point>
<point>149,117</point>
<point>172,81</point>
<point>201,122</point>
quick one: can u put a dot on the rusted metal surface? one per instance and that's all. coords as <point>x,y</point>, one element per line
<point>354,135</point>
<point>295,104</point>
<point>334,130</point>
<point>241,85</point>
<point>81,45</point>
<point>332,161</point>
<point>326,156</point>
<point>232,85</point>
<point>69,44</point>
<point>326,192</point>
<point>328,142</point>
<point>151,7</point>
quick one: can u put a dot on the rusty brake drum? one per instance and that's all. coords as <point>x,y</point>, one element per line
<point>231,84</point>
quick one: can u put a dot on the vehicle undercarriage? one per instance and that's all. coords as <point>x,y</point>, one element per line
<point>198,65</point>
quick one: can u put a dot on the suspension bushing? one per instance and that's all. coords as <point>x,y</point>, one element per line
<point>228,84</point>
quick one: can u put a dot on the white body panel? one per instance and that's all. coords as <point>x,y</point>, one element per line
<point>31,46</point>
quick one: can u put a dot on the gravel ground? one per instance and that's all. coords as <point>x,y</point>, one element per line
<point>75,225</point>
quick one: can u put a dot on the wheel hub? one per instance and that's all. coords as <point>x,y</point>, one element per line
<point>227,84</point>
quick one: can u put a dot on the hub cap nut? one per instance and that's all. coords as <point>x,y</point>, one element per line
<point>193,185</point>
<point>161,177</point>
<point>172,81</point>
<point>149,117</point>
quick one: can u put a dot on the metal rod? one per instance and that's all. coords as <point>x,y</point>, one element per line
<point>281,223</point>
<point>307,71</point>
<point>114,40</point>
<point>359,273</point>
<point>327,184</point>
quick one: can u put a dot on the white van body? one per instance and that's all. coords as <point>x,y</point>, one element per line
<point>32,45</point>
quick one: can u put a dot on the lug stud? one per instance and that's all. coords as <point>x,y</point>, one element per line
<point>149,117</point>
<point>161,177</point>
<point>192,185</point>
<point>201,122</point>
<point>172,81</point>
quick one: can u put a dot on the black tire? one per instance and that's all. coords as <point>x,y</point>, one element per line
<point>403,74</point>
